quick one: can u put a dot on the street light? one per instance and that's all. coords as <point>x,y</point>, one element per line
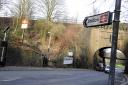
<point>24,26</point>
<point>49,41</point>
<point>4,45</point>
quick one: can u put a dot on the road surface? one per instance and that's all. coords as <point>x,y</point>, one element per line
<point>53,77</point>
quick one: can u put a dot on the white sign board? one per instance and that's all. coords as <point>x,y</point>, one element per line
<point>68,60</point>
<point>98,20</point>
<point>70,53</point>
<point>24,26</point>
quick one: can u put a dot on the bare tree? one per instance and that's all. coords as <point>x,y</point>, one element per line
<point>22,9</point>
<point>50,8</point>
<point>3,3</point>
<point>0,4</point>
<point>8,5</point>
<point>124,13</point>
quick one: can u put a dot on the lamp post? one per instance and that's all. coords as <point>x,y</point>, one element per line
<point>24,26</point>
<point>49,41</point>
<point>114,42</point>
<point>4,45</point>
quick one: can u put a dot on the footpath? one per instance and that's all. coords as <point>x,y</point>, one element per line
<point>121,79</point>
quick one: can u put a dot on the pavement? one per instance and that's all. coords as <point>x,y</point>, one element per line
<point>120,78</point>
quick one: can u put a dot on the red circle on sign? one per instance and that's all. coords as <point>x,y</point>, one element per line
<point>104,18</point>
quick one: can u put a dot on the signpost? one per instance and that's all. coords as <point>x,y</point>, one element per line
<point>70,53</point>
<point>106,19</point>
<point>68,60</point>
<point>4,45</point>
<point>114,42</point>
<point>24,26</point>
<point>98,20</point>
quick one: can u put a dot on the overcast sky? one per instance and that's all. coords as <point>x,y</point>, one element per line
<point>82,8</point>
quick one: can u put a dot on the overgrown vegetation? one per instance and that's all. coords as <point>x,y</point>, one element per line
<point>36,40</point>
<point>126,54</point>
<point>45,28</point>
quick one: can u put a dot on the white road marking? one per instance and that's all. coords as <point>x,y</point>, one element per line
<point>11,79</point>
<point>125,83</point>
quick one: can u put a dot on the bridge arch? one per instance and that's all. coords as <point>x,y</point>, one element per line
<point>101,58</point>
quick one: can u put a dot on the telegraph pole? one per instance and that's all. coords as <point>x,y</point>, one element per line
<point>114,42</point>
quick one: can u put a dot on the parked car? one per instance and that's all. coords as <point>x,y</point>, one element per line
<point>107,69</point>
<point>99,67</point>
<point>117,70</point>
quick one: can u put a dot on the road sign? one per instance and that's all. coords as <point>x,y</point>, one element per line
<point>70,53</point>
<point>24,24</point>
<point>98,20</point>
<point>68,60</point>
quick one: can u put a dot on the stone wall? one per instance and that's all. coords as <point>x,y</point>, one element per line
<point>99,38</point>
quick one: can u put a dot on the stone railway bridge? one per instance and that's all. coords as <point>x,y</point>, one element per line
<point>98,39</point>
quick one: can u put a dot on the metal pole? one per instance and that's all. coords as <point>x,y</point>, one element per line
<point>114,42</point>
<point>49,41</point>
<point>23,36</point>
<point>3,49</point>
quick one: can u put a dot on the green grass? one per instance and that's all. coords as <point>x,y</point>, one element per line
<point>119,66</point>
